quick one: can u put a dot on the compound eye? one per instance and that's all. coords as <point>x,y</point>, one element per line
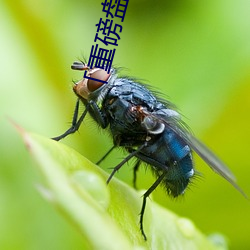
<point>97,74</point>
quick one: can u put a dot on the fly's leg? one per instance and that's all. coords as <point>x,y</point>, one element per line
<point>136,167</point>
<point>97,113</point>
<point>116,168</point>
<point>105,155</point>
<point>90,107</point>
<point>145,196</point>
<point>75,124</point>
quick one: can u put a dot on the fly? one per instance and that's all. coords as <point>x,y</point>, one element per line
<point>149,128</point>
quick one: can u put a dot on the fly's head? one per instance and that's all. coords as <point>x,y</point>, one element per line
<point>97,79</point>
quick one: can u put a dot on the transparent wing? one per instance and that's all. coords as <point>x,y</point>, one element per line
<point>175,124</point>
<point>208,156</point>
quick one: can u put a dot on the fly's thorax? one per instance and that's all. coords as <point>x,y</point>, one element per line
<point>152,125</point>
<point>154,122</point>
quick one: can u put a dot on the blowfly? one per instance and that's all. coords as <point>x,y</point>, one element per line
<point>148,127</point>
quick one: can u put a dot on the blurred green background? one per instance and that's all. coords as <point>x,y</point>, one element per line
<point>195,52</point>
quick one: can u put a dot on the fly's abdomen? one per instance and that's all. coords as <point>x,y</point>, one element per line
<point>178,176</point>
<point>180,165</point>
<point>168,154</point>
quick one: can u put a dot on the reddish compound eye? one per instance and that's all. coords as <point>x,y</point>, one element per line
<point>97,74</point>
<point>94,85</point>
<point>87,85</point>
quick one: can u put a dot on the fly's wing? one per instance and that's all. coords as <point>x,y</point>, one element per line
<point>212,160</point>
<point>175,124</point>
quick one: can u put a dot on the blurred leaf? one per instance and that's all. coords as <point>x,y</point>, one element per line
<point>106,216</point>
<point>197,53</point>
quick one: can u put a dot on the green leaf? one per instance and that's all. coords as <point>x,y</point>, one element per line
<point>106,215</point>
